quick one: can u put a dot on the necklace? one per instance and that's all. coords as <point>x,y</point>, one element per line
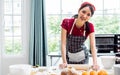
<point>79,24</point>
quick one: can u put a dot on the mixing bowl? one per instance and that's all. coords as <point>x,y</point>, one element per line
<point>107,61</point>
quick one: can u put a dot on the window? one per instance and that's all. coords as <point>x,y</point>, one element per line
<point>13,27</point>
<point>106,18</point>
<point>14,33</point>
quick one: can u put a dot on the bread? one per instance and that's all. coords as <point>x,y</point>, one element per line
<point>63,73</point>
<point>69,71</point>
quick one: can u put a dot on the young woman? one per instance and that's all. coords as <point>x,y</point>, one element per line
<point>73,35</point>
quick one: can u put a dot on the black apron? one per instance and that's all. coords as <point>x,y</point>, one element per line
<point>77,52</point>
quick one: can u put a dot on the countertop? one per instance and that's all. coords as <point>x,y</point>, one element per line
<point>55,71</point>
<point>43,70</point>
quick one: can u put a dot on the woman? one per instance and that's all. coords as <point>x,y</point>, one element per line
<point>73,35</point>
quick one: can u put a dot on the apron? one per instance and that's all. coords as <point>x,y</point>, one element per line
<point>77,52</point>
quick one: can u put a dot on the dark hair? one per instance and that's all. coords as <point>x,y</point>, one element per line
<point>87,26</point>
<point>75,16</point>
<point>88,5</point>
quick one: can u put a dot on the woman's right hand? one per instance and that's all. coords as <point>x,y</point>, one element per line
<point>63,65</point>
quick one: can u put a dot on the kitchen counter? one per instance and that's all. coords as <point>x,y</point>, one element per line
<point>51,70</point>
<point>56,71</point>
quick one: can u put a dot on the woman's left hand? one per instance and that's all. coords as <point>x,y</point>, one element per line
<point>63,65</point>
<point>96,67</point>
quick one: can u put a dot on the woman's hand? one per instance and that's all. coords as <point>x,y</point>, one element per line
<point>96,67</point>
<point>64,65</point>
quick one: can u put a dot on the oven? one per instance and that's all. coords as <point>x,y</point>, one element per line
<point>105,43</point>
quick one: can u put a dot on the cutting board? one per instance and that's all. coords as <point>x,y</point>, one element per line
<point>80,66</point>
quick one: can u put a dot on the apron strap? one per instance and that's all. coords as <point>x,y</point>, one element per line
<point>84,29</point>
<point>72,27</point>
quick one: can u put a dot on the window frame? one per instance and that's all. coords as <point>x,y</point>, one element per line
<point>25,24</point>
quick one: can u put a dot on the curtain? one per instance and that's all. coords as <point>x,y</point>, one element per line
<point>37,43</point>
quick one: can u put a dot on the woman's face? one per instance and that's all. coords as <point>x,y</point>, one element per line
<point>84,14</point>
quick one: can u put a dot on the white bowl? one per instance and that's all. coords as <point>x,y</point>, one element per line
<point>20,69</point>
<point>107,61</point>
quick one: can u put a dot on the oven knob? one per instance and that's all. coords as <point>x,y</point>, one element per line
<point>118,37</point>
<point>118,46</point>
<point>118,50</point>
<point>118,41</point>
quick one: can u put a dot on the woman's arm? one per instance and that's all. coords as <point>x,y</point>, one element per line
<point>63,44</point>
<point>93,50</point>
<point>93,47</point>
<point>63,48</point>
